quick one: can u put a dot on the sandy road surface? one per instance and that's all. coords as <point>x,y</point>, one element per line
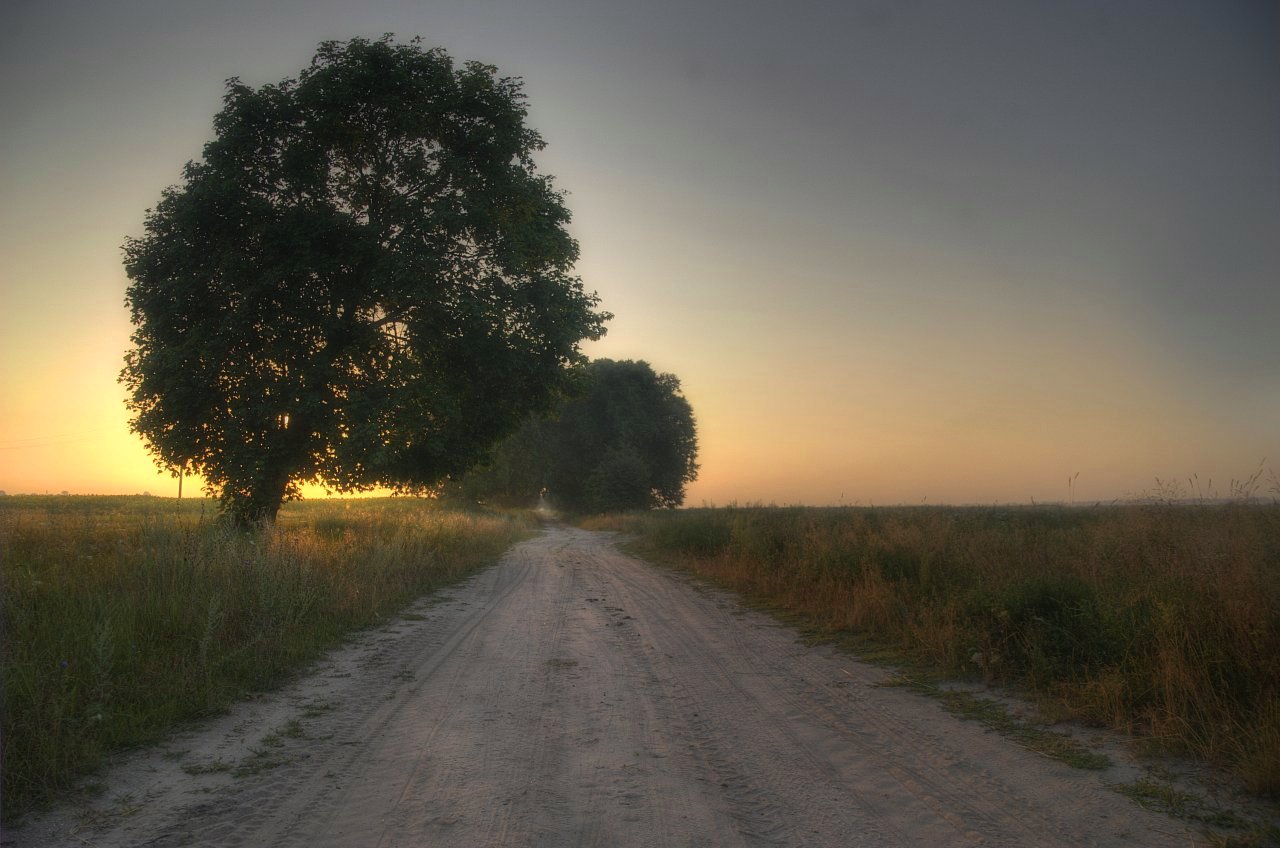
<point>572,696</point>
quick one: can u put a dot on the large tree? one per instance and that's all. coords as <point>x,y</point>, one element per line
<point>626,440</point>
<point>365,281</point>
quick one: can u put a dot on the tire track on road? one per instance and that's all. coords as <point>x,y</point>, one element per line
<point>575,696</point>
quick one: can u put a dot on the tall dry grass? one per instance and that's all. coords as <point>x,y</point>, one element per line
<point>126,616</point>
<point>1161,620</point>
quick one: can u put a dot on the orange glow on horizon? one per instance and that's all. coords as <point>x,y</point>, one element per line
<point>943,291</point>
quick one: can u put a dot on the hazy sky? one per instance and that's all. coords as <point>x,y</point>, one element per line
<point>894,250</point>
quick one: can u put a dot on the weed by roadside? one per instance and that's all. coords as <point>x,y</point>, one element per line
<point>996,716</point>
<point>1221,827</point>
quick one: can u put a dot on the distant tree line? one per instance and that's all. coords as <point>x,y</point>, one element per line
<point>625,440</point>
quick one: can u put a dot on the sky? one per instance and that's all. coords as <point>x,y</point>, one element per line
<point>897,252</point>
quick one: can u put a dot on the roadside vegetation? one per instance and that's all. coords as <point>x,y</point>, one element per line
<point>125,616</point>
<point>1161,620</point>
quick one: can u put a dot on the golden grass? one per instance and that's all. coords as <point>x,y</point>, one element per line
<point>126,616</point>
<point>1163,620</point>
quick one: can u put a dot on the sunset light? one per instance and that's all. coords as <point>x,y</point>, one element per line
<point>683,423</point>
<point>892,255</point>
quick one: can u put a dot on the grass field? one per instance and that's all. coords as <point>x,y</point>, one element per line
<point>124,616</point>
<point>1160,620</point>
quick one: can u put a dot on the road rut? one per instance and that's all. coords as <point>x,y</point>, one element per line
<point>574,696</point>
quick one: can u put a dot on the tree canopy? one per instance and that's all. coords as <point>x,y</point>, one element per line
<point>365,281</point>
<point>626,440</point>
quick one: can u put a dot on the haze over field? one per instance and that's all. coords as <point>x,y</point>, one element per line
<point>892,250</point>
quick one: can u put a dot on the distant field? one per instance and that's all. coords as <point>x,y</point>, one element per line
<point>124,616</point>
<point>1161,620</point>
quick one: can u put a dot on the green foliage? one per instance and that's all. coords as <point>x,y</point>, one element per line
<point>1052,626</point>
<point>626,440</point>
<point>620,482</point>
<point>126,616</point>
<point>364,282</point>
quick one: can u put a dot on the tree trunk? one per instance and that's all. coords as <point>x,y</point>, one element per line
<point>259,504</point>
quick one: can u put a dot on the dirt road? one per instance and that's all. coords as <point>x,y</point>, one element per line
<point>572,696</point>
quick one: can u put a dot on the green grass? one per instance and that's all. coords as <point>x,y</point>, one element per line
<point>996,716</point>
<point>1160,620</point>
<point>1157,795</point>
<point>1221,827</point>
<point>211,767</point>
<point>124,617</point>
